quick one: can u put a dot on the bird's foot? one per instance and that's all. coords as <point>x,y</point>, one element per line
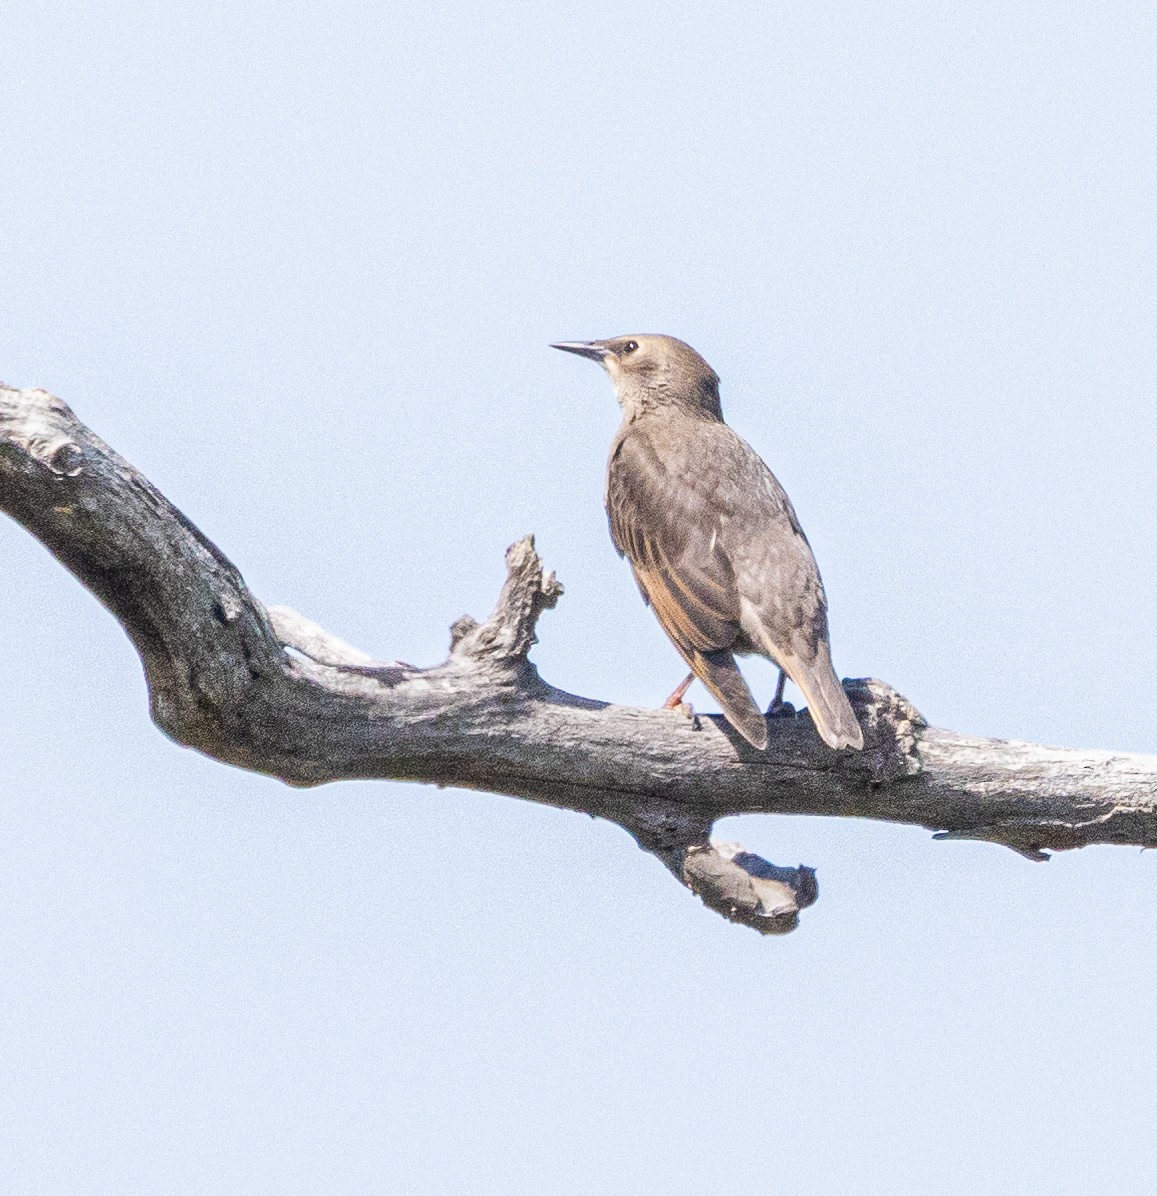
<point>675,702</point>
<point>686,710</point>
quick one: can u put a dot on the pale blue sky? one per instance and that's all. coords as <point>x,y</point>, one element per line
<point>300,264</point>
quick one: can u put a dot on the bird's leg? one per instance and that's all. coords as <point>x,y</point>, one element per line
<point>676,698</point>
<point>675,702</point>
<point>778,705</point>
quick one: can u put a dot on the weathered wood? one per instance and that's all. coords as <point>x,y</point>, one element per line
<point>270,691</point>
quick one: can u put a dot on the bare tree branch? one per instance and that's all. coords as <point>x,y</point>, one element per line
<point>269,691</point>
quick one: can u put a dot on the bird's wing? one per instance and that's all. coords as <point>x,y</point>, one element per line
<point>664,522</point>
<point>783,608</point>
<point>663,519</point>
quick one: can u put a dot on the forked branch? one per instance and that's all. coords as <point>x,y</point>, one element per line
<point>270,691</point>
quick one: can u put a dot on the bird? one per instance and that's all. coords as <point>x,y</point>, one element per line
<point>712,538</point>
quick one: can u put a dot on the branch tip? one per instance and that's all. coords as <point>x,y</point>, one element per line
<point>1025,844</point>
<point>508,635</point>
<point>39,424</point>
<point>748,889</point>
<point>726,877</point>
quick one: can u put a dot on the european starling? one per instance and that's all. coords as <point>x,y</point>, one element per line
<point>713,541</point>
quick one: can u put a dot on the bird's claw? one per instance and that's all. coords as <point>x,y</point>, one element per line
<point>781,709</point>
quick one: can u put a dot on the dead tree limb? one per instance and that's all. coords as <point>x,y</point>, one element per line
<point>267,690</point>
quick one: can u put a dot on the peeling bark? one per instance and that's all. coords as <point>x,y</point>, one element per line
<point>267,690</point>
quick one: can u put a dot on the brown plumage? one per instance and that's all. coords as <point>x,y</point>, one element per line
<point>712,538</point>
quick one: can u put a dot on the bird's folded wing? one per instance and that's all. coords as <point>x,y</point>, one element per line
<point>666,525</point>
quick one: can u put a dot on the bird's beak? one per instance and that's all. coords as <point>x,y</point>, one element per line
<point>595,350</point>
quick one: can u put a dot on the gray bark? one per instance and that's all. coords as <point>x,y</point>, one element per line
<point>267,690</point>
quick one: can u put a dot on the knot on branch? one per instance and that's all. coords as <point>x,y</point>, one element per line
<point>507,636</point>
<point>36,423</point>
<point>892,727</point>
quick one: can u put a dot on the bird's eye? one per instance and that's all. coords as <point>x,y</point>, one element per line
<point>630,346</point>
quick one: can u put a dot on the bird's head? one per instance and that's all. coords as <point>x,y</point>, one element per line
<point>649,371</point>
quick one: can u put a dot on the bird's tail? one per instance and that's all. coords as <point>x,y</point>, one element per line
<point>719,672</point>
<point>827,703</point>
